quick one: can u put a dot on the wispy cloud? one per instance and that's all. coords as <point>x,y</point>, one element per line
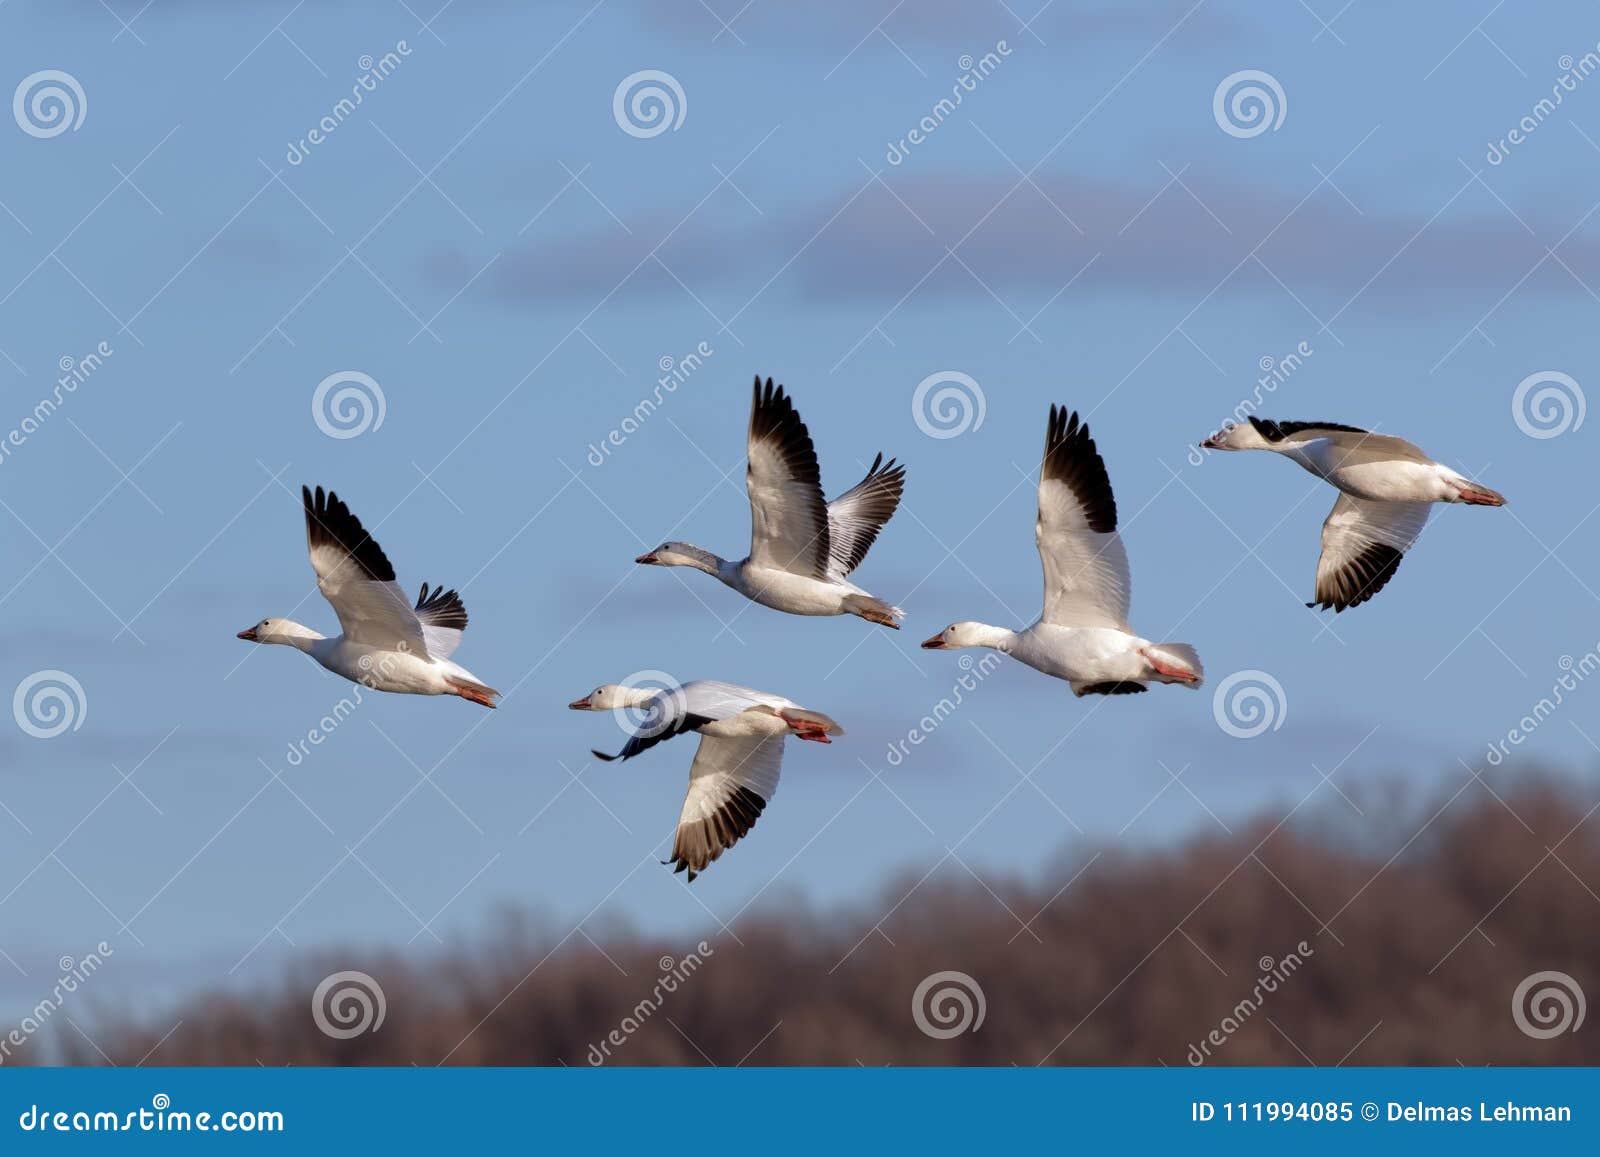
<point>955,235</point>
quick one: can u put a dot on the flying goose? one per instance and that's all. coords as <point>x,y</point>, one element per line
<point>735,769</point>
<point>388,644</point>
<point>1082,634</point>
<point>1388,489</point>
<point>802,547</point>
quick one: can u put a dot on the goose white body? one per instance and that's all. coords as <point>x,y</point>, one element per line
<point>1378,480</point>
<point>1083,656</point>
<point>795,593</point>
<point>384,669</point>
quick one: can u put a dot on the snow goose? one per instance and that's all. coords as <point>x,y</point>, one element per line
<point>802,547</point>
<point>1388,487</point>
<point>388,644</point>
<point>1082,635</point>
<point>735,770</point>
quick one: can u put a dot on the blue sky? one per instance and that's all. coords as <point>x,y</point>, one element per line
<point>483,240</point>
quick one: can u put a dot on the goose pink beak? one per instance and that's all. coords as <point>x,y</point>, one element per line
<point>647,559</point>
<point>934,644</point>
<point>249,634</point>
<point>579,704</point>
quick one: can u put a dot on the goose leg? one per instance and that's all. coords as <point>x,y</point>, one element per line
<point>806,728</point>
<point>1167,669</point>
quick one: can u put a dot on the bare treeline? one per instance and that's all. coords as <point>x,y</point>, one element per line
<point>1288,945</point>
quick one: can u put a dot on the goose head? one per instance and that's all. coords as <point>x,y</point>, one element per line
<point>1236,436</point>
<point>959,635</point>
<point>680,554</point>
<point>285,631</point>
<point>612,697</point>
